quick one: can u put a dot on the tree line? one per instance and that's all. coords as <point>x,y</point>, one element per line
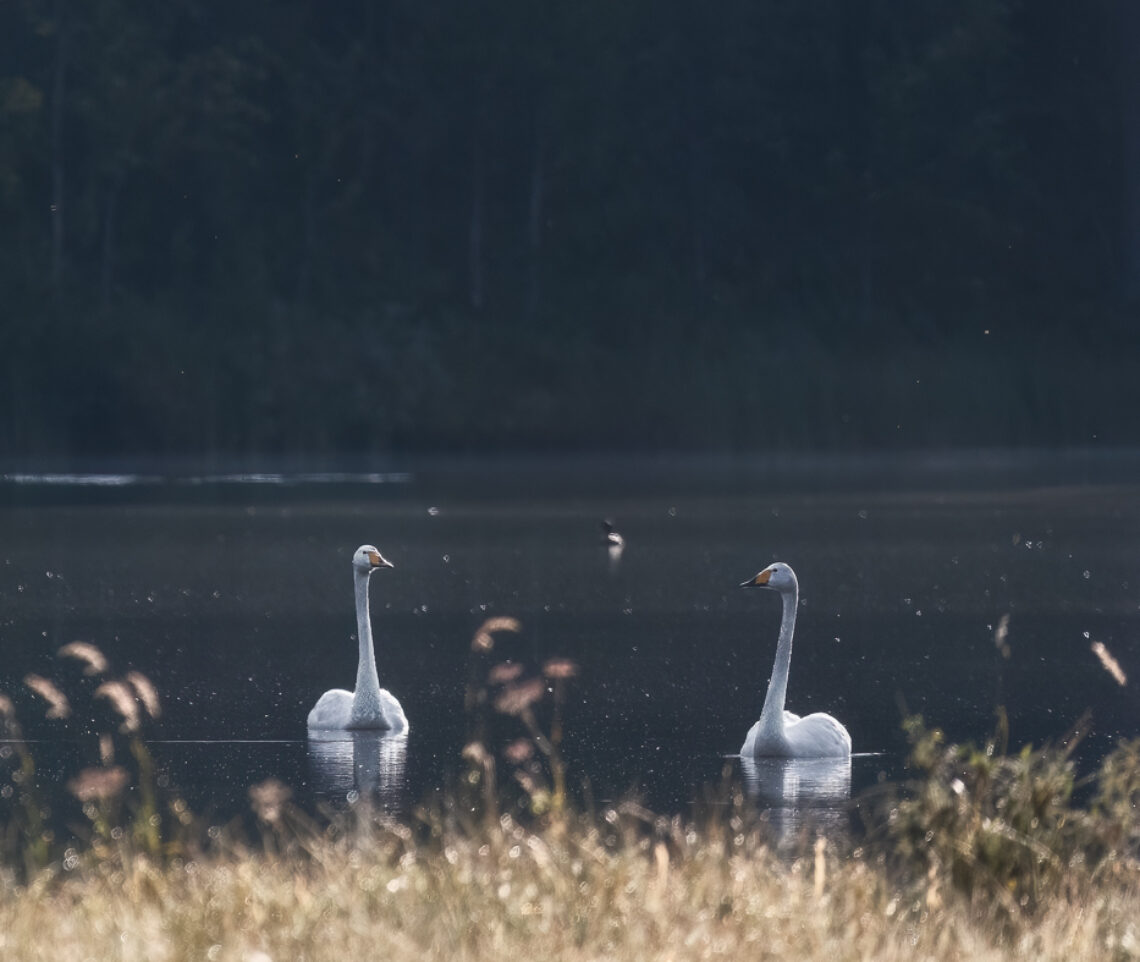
<point>374,226</point>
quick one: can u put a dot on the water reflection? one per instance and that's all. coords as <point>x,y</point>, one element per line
<point>614,542</point>
<point>615,553</point>
<point>366,764</point>
<point>800,794</point>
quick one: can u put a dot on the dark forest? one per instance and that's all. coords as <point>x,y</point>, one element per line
<point>360,227</point>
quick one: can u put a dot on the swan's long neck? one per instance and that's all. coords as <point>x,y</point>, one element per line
<point>772,715</point>
<point>366,698</point>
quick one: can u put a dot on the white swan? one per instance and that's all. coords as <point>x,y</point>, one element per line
<point>779,733</point>
<point>370,706</point>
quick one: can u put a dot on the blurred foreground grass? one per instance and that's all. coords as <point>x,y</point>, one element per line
<point>572,889</point>
<point>985,854</point>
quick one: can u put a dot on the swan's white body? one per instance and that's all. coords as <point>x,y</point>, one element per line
<point>369,706</point>
<point>779,733</point>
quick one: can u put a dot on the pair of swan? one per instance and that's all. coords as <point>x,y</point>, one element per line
<point>778,733</point>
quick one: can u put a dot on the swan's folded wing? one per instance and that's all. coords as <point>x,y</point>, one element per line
<point>819,735</point>
<point>332,710</point>
<point>394,718</point>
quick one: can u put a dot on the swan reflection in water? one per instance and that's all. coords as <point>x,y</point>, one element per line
<point>364,764</point>
<point>800,793</point>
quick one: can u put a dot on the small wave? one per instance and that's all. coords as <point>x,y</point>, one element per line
<point>323,477</point>
<point>81,480</point>
<point>59,479</point>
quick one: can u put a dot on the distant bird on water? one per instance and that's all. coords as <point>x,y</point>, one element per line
<point>610,536</point>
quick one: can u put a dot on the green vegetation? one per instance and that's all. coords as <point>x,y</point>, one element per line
<point>277,226</point>
<point>985,855</point>
<point>1004,829</point>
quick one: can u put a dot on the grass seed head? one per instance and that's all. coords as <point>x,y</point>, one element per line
<point>484,637</point>
<point>98,784</point>
<point>58,705</point>
<point>519,751</point>
<point>475,753</point>
<point>517,698</point>
<point>557,668</point>
<point>268,799</point>
<point>1109,663</point>
<point>94,661</point>
<point>122,699</point>
<point>146,693</point>
<point>505,672</point>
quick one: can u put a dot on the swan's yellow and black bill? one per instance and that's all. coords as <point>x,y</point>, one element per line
<point>379,561</point>
<point>760,581</point>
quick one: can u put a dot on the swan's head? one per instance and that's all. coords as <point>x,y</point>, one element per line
<point>368,559</point>
<point>778,576</point>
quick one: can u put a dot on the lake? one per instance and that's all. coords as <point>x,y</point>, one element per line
<point>232,592</point>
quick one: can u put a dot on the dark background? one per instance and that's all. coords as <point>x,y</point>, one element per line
<point>318,229</point>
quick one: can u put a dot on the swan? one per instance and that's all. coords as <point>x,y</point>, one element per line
<point>370,706</point>
<point>779,733</point>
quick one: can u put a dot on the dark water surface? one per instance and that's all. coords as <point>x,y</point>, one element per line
<point>233,593</point>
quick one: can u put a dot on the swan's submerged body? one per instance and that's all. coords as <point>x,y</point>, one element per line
<point>781,733</point>
<point>369,706</point>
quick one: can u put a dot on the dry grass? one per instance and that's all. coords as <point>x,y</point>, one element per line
<point>569,891</point>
